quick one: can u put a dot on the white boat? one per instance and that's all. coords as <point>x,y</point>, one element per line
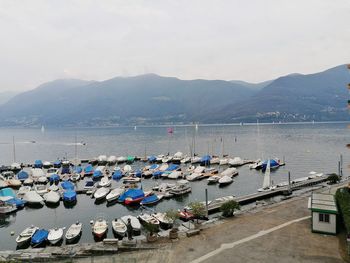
<point>36,173</point>
<point>121,159</point>
<point>47,164</point>
<point>3,183</point>
<point>223,161</point>
<point>178,157</point>
<point>119,227</point>
<point>105,182</point>
<point>230,172</point>
<point>175,175</point>
<point>6,208</point>
<point>127,169</point>
<point>114,194</point>
<point>55,235</point>
<point>23,189</point>
<point>225,180</point>
<point>26,235</point>
<point>131,179</point>
<point>196,159</point>
<point>257,164</point>
<point>102,159</point>
<point>75,177</point>
<point>51,171</point>
<point>135,223</point>
<point>181,187</point>
<point>42,180</point>
<point>236,161</point>
<point>40,189</point>
<point>15,167</point>
<point>186,160</point>
<point>215,160</point>
<point>213,179</point>
<point>163,220</point>
<point>100,227</point>
<point>101,193</point>
<point>28,181</point>
<point>267,186</point>
<point>32,197</point>
<point>53,187</point>
<point>13,182</point>
<point>148,219</point>
<point>73,232</point>
<point>112,160</point>
<point>193,176</point>
<point>52,197</point>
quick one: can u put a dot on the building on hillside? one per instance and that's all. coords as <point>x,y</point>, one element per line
<point>324,213</point>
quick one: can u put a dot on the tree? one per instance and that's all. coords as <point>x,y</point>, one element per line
<point>197,209</point>
<point>151,229</point>
<point>333,178</point>
<point>172,215</point>
<point>229,207</point>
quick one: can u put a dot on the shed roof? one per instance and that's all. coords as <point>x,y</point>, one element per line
<point>324,203</point>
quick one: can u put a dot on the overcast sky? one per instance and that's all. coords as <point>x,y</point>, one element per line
<point>251,40</point>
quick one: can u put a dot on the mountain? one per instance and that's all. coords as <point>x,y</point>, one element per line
<point>134,100</point>
<point>6,96</point>
<point>321,97</point>
<point>153,99</point>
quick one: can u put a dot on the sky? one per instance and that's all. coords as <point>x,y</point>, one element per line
<point>249,40</point>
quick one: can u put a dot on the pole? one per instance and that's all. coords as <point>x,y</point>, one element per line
<point>14,149</point>
<point>206,202</point>
<point>339,168</point>
<point>341,165</point>
<point>289,189</point>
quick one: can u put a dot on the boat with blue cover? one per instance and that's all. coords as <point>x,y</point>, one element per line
<point>205,160</point>
<point>274,164</point>
<point>152,159</point>
<point>54,178</point>
<point>67,185</point>
<point>39,237</point>
<point>151,199</point>
<point>38,164</point>
<point>89,170</point>
<point>117,175</point>
<point>57,164</point>
<point>69,196</point>
<point>97,174</point>
<point>132,196</point>
<point>16,201</point>
<point>22,175</point>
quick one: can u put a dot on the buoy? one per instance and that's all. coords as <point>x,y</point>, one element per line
<point>12,233</point>
<point>91,222</point>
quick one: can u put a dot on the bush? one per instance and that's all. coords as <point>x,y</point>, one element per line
<point>197,209</point>
<point>151,228</point>
<point>172,215</point>
<point>333,178</point>
<point>229,207</point>
<point>342,197</point>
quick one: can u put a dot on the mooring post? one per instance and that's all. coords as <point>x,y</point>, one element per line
<point>206,202</point>
<point>289,188</point>
<point>341,165</point>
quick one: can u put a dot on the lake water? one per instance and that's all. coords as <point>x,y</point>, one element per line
<point>305,147</point>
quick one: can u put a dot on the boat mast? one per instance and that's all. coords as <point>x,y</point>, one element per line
<point>75,150</point>
<point>14,149</point>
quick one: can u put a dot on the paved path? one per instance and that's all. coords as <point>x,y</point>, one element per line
<point>257,235</point>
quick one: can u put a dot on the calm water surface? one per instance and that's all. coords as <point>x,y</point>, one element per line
<point>305,148</point>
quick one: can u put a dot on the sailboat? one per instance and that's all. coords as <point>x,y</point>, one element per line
<point>267,186</point>
<point>42,128</point>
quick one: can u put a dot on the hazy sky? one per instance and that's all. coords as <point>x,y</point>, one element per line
<point>251,40</point>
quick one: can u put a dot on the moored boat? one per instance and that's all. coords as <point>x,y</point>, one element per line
<point>101,193</point>
<point>25,236</point>
<point>225,180</point>
<point>114,194</point>
<point>119,227</point>
<point>55,235</point>
<point>99,227</point>
<point>74,232</point>
<point>39,237</point>
<point>135,223</point>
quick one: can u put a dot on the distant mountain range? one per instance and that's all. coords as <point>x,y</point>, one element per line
<point>152,99</point>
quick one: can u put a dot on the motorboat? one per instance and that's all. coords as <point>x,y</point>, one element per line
<point>40,189</point>
<point>186,215</point>
<point>29,181</point>
<point>53,187</point>
<point>97,174</point>
<point>193,176</point>
<point>132,196</point>
<point>69,196</point>
<point>101,193</point>
<point>67,185</point>
<point>178,156</point>
<point>57,164</point>
<point>175,175</point>
<point>6,208</point>
<point>55,235</point>
<point>47,164</point>
<point>26,235</point>
<point>215,160</point>
<point>38,164</point>
<point>100,227</point>
<point>102,160</point>
<point>111,160</point>
<point>14,183</point>
<point>223,161</point>
<point>89,187</point>
<point>181,187</point>
<point>119,227</point>
<point>135,223</point>
<point>33,198</point>
<point>256,165</point>
<point>39,237</point>
<point>225,180</point>
<point>75,177</point>
<point>196,159</point>
<point>146,218</point>
<point>22,176</point>
<point>105,182</point>
<point>131,179</point>
<point>163,220</point>
<point>114,194</point>
<point>88,170</point>
<point>151,199</point>
<point>42,180</point>
<point>213,179</point>
<point>231,172</point>
<point>236,161</point>
<point>117,175</point>
<point>205,160</point>
<point>54,178</point>
<point>23,189</point>
<point>15,167</point>
<point>121,159</point>
<point>52,197</point>
<point>186,159</point>
<point>36,173</point>
<point>74,232</point>
<point>130,159</point>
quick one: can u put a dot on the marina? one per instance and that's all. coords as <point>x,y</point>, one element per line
<point>244,188</point>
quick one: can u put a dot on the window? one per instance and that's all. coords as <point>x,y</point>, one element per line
<point>323,218</point>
